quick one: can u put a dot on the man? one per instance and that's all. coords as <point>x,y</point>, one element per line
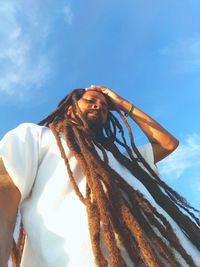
<point>83,202</point>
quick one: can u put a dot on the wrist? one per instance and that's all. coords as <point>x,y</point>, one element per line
<point>127,107</point>
<point>124,105</point>
<point>130,111</point>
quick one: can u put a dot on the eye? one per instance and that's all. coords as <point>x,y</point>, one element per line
<point>89,100</point>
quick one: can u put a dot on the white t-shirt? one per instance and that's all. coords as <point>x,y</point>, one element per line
<point>54,218</point>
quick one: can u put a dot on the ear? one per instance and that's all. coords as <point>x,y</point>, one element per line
<point>69,110</point>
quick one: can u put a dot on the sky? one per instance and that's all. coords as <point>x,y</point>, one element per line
<point>146,51</point>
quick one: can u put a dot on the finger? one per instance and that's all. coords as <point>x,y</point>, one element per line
<point>102,88</point>
<point>93,89</point>
<point>96,88</point>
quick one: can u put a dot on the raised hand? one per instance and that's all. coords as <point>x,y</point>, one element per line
<point>115,98</point>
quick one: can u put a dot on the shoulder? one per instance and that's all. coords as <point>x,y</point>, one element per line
<point>23,133</point>
<point>25,128</point>
<point>28,126</point>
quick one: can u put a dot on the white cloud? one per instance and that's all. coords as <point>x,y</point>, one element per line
<point>68,14</point>
<point>22,66</point>
<point>25,53</point>
<point>184,55</point>
<point>186,157</point>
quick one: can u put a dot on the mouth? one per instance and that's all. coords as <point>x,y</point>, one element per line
<point>94,115</point>
<point>93,112</point>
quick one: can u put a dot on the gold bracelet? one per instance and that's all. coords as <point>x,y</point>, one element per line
<point>130,112</point>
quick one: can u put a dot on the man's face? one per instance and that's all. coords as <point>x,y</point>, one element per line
<point>94,107</point>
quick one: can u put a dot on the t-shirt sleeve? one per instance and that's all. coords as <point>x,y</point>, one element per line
<point>146,152</point>
<point>19,150</point>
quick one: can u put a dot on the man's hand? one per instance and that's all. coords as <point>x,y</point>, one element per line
<point>9,201</point>
<point>117,100</point>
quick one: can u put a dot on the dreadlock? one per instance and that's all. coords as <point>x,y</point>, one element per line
<point>116,211</point>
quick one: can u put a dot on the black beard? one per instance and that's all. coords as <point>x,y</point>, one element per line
<point>96,127</point>
<point>93,122</point>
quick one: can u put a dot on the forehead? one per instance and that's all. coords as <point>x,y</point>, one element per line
<point>95,94</point>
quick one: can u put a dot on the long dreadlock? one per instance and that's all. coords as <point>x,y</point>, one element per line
<point>116,210</point>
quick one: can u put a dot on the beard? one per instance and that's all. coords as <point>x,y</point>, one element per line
<point>93,118</point>
<point>95,122</point>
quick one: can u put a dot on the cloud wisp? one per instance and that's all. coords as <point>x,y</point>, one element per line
<point>25,56</point>
<point>68,14</point>
<point>186,157</point>
<point>184,55</point>
<point>20,70</point>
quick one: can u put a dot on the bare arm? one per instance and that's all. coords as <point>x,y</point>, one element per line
<point>9,200</point>
<point>163,143</point>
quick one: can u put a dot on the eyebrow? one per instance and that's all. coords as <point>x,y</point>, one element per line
<point>93,98</point>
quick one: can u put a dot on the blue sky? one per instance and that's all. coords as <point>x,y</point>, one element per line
<point>147,51</point>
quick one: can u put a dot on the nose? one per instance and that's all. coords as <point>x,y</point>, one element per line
<point>97,106</point>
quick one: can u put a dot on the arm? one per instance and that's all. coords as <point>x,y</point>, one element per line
<point>9,200</point>
<point>163,143</point>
